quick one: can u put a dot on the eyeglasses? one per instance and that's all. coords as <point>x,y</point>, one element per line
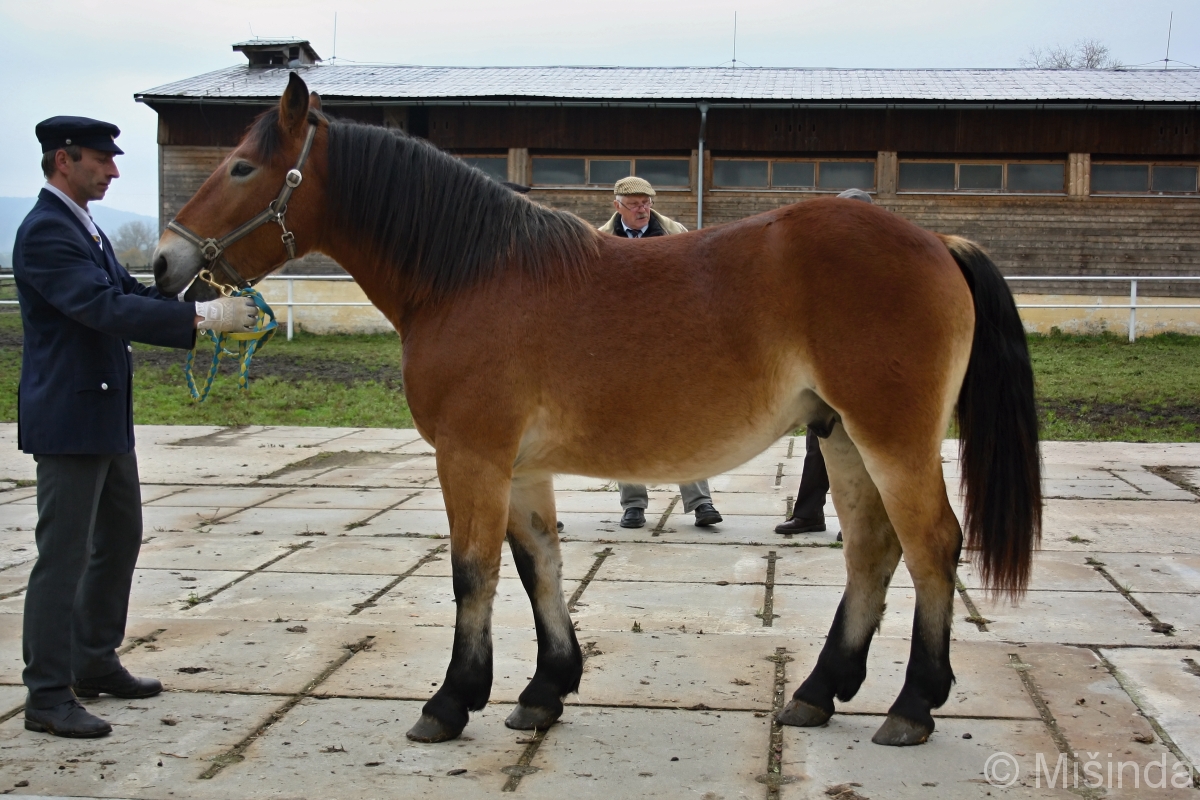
<point>647,203</point>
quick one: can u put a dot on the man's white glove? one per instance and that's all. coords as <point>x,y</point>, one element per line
<point>227,315</point>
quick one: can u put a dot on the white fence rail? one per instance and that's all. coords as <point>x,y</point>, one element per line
<point>1133,305</point>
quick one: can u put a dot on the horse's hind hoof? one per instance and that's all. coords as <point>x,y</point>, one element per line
<point>897,731</point>
<point>528,718</point>
<point>802,715</point>
<point>431,729</point>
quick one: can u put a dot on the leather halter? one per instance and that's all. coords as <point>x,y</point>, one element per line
<point>212,249</point>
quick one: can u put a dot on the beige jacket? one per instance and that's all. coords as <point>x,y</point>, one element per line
<point>669,225</point>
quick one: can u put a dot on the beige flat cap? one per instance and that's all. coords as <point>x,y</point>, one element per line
<point>632,185</point>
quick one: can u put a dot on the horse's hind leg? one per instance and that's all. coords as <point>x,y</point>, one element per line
<point>533,538</point>
<point>476,493</point>
<point>872,551</point>
<point>915,495</point>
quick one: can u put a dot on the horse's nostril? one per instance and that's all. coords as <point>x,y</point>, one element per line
<point>160,267</point>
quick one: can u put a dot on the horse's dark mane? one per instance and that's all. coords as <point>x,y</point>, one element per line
<point>441,225</point>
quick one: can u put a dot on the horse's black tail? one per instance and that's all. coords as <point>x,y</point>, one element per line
<point>998,430</point>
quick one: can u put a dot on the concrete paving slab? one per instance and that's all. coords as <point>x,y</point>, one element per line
<point>1068,617</point>
<point>27,494</point>
<point>986,684</point>
<point>406,521</point>
<point>296,596</point>
<point>615,752</point>
<point>1165,684</point>
<point>414,476</point>
<point>357,748</point>
<point>657,607</point>
<point>305,497</point>
<point>603,527</point>
<point>16,547</point>
<point>295,521</point>
<point>711,563</point>
<point>409,663</point>
<point>208,551</point>
<point>1142,526</point>
<point>430,601</point>
<point>744,529</point>
<point>160,592</point>
<point>1180,610</point>
<point>1055,571</point>
<point>809,610</point>
<point>765,484</point>
<point>11,697</point>
<point>947,766</point>
<point>164,519</point>
<point>822,566</point>
<point>1152,486</point>
<point>1106,488</point>
<point>1152,572</point>
<point>217,655</point>
<point>679,670</point>
<point>18,517</point>
<point>601,503</point>
<point>357,555</point>
<point>11,662</point>
<point>582,483</point>
<point>204,726</point>
<point>226,498</point>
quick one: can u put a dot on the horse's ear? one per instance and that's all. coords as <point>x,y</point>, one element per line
<point>314,102</point>
<point>293,106</point>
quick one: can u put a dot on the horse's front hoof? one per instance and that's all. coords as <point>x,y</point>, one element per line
<point>897,731</point>
<point>431,729</point>
<point>529,718</point>
<point>802,715</point>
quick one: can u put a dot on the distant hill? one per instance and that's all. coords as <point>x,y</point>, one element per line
<point>14,209</point>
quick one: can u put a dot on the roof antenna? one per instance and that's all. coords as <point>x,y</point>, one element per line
<point>251,27</point>
<point>1170,24</point>
<point>333,59</point>
<point>735,40</point>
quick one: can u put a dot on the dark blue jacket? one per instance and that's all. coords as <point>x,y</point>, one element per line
<point>80,309</point>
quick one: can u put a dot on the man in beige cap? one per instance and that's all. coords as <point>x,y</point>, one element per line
<point>637,219</point>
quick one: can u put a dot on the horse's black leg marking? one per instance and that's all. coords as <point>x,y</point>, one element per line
<point>468,682</point>
<point>840,671</point>
<point>559,660</point>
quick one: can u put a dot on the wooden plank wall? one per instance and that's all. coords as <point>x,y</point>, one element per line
<point>1026,235</point>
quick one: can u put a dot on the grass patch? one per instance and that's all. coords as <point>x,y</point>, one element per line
<point>1089,387</point>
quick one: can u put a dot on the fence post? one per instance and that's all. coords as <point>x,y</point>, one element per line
<point>1132,311</point>
<point>289,307</point>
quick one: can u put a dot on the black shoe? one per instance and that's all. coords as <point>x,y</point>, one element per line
<point>118,684</point>
<point>801,526</point>
<point>707,515</point>
<point>839,536</point>
<point>69,718</point>
<point>633,518</point>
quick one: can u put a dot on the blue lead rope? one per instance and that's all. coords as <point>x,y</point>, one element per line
<point>247,344</point>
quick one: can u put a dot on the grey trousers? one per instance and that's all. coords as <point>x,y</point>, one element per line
<point>633,495</point>
<point>89,532</point>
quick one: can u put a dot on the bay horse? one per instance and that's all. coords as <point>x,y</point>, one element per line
<point>520,325</point>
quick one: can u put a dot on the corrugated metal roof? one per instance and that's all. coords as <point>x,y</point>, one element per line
<point>662,84</point>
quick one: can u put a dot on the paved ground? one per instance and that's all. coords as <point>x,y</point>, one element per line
<point>293,594</point>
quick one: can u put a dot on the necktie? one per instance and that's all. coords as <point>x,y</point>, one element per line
<point>634,234</point>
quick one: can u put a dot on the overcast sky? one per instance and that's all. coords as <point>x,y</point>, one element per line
<point>89,57</point>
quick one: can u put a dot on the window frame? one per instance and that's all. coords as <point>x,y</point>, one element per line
<point>608,187</point>
<point>1003,163</point>
<point>712,186</point>
<point>1150,165</point>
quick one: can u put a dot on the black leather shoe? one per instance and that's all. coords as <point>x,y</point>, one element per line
<point>707,515</point>
<point>633,518</point>
<point>69,719</point>
<point>118,684</point>
<point>801,526</point>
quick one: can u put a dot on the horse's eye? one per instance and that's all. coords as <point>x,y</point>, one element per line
<point>241,169</point>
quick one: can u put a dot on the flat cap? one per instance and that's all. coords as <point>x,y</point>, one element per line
<point>59,132</point>
<point>633,185</point>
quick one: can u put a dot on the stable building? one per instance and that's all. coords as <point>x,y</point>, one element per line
<point>1055,172</point>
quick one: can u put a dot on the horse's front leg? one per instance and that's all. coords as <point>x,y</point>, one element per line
<point>533,538</point>
<point>476,492</point>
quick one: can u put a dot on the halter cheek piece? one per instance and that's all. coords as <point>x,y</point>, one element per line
<point>213,250</point>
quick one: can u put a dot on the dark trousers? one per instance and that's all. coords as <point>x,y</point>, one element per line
<point>814,482</point>
<point>89,532</point>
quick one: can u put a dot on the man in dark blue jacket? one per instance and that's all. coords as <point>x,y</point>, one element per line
<point>80,311</point>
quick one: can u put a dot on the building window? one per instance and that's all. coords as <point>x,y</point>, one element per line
<point>495,167</point>
<point>952,176</point>
<point>1143,179</point>
<point>662,173</point>
<point>834,176</point>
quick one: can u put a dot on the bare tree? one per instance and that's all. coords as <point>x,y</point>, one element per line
<point>1083,54</point>
<point>134,242</point>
